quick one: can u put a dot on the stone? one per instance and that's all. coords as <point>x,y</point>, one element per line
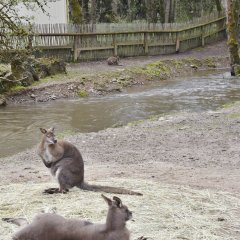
<point>3,101</point>
<point>53,97</point>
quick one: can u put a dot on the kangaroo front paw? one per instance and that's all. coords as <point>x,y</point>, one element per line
<point>51,191</point>
<point>55,190</point>
<point>64,191</point>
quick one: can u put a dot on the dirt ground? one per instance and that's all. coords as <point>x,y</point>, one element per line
<point>197,150</point>
<point>171,159</point>
<point>216,49</point>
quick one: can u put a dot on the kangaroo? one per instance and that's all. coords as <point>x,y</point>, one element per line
<point>55,227</point>
<point>114,60</point>
<point>66,165</point>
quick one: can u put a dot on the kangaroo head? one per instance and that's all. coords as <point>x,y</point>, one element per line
<point>116,58</point>
<point>49,135</point>
<point>121,212</point>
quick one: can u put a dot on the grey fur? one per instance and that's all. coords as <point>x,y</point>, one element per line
<point>114,60</point>
<point>66,164</point>
<point>55,227</point>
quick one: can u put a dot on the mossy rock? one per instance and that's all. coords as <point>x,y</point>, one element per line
<point>237,70</point>
<point>25,70</point>
<point>49,66</point>
<point>82,93</point>
<point>7,82</point>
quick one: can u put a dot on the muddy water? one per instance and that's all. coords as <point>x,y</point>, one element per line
<point>19,124</point>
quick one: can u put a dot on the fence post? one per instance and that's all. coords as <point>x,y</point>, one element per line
<point>115,52</point>
<point>146,43</point>
<point>30,42</point>
<point>202,36</point>
<point>75,51</point>
<point>177,42</point>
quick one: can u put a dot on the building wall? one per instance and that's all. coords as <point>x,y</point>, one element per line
<point>56,12</point>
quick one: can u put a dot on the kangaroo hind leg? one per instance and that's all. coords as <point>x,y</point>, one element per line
<point>64,179</point>
<point>61,177</point>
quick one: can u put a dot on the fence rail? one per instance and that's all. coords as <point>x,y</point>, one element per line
<point>92,45</point>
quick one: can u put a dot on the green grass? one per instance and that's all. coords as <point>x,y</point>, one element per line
<point>64,134</point>
<point>82,93</point>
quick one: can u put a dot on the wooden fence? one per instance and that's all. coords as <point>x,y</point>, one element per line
<point>95,45</point>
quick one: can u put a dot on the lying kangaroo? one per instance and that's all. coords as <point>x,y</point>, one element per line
<point>55,227</point>
<point>114,60</point>
<point>66,164</point>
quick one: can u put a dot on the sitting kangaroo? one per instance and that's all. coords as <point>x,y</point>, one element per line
<point>66,164</point>
<point>55,227</point>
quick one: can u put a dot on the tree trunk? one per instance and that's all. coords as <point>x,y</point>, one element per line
<point>232,29</point>
<point>219,6</point>
<point>172,11</point>
<point>75,12</point>
<point>151,6</point>
<point>162,11</point>
<point>167,10</point>
<point>85,10</point>
<point>130,10</point>
<point>93,11</point>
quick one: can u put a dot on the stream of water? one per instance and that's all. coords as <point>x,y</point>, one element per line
<point>19,125</point>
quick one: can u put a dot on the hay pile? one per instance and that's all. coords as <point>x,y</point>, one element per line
<point>164,212</point>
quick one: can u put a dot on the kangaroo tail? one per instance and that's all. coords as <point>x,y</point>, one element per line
<point>16,221</point>
<point>107,189</point>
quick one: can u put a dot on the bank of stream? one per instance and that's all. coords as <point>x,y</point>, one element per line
<point>204,91</point>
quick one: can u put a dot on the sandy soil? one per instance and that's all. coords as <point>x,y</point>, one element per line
<point>189,153</point>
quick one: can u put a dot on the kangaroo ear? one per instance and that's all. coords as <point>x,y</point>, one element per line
<point>52,129</point>
<point>17,221</point>
<point>43,130</point>
<point>118,201</point>
<point>107,200</point>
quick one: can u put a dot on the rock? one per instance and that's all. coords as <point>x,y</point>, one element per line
<point>17,68</point>
<point>47,67</point>
<point>58,66</point>
<point>22,70</point>
<point>32,69</point>
<point>4,73</point>
<point>9,76</point>
<point>237,70</point>
<point>114,89</point>
<point>6,82</point>
<point>3,101</point>
<point>53,97</point>
<point>113,80</point>
<point>71,87</point>
<point>33,96</point>
<point>194,66</point>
